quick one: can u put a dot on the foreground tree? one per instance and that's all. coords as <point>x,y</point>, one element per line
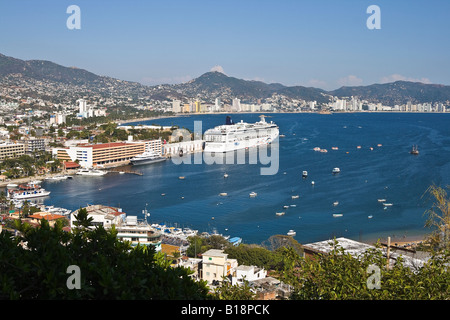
<point>38,264</point>
<point>438,219</point>
<point>340,276</point>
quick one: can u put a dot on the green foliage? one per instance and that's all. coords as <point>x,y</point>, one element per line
<point>339,276</point>
<point>226,291</point>
<point>253,255</point>
<point>200,244</point>
<point>110,269</point>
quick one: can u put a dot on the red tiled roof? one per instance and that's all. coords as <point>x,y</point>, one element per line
<point>70,165</point>
<point>104,145</point>
<point>46,216</point>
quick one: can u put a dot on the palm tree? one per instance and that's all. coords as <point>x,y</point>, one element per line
<point>439,218</point>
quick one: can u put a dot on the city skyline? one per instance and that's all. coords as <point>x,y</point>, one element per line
<point>324,44</point>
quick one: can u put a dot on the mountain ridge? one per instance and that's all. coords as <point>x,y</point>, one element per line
<point>217,84</point>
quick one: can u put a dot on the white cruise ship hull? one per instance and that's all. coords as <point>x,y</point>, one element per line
<point>239,136</point>
<point>238,145</point>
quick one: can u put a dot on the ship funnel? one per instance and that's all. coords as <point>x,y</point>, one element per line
<point>229,121</point>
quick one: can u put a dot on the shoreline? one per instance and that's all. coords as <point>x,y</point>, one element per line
<point>3,184</point>
<point>398,240</point>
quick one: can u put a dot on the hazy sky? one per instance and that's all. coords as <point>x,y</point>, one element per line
<point>325,44</point>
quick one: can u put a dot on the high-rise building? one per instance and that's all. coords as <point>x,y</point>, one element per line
<point>83,106</point>
<point>176,106</point>
<point>217,105</point>
<point>198,106</point>
<point>236,105</point>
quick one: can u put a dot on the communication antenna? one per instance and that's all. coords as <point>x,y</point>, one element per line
<point>146,213</point>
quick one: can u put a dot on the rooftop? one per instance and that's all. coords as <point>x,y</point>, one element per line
<point>215,253</point>
<point>45,215</point>
<point>105,145</point>
<point>354,248</point>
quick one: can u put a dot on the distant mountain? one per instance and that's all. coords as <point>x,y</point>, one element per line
<point>46,70</point>
<point>212,85</point>
<point>218,84</point>
<point>399,92</point>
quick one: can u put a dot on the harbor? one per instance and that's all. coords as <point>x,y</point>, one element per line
<point>237,200</point>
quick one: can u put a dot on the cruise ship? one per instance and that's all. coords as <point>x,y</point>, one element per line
<point>234,136</point>
<point>146,158</point>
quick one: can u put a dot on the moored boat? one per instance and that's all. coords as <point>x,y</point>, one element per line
<point>291,233</point>
<point>414,151</point>
<point>91,172</point>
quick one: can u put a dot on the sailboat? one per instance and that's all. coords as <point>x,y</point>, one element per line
<point>414,150</point>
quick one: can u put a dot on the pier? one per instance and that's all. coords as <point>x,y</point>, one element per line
<point>126,170</point>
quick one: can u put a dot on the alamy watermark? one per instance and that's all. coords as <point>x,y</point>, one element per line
<point>374,20</point>
<point>74,280</point>
<point>74,20</point>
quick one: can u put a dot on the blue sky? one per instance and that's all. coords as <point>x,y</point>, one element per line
<point>320,43</point>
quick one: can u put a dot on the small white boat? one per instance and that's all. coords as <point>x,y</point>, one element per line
<point>291,233</point>
<point>387,204</point>
<point>286,207</point>
<point>337,215</point>
<point>279,213</point>
<point>181,177</point>
<point>336,170</point>
<point>91,172</point>
<point>295,197</point>
<point>316,149</point>
<point>381,200</point>
<point>305,174</point>
<point>225,175</point>
<point>312,182</point>
<point>293,205</point>
<point>253,194</point>
<point>335,203</point>
<point>223,194</point>
<point>370,217</point>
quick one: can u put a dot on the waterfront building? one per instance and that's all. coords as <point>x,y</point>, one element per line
<point>138,233</point>
<point>216,105</point>
<point>176,106</point>
<point>236,105</point>
<point>128,228</point>
<point>100,155</point>
<point>173,149</point>
<point>11,150</point>
<point>198,106</point>
<point>101,215</point>
<point>34,145</point>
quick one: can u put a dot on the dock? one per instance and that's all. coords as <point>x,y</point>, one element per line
<point>126,170</point>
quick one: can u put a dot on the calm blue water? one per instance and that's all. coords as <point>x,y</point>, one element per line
<point>388,172</point>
